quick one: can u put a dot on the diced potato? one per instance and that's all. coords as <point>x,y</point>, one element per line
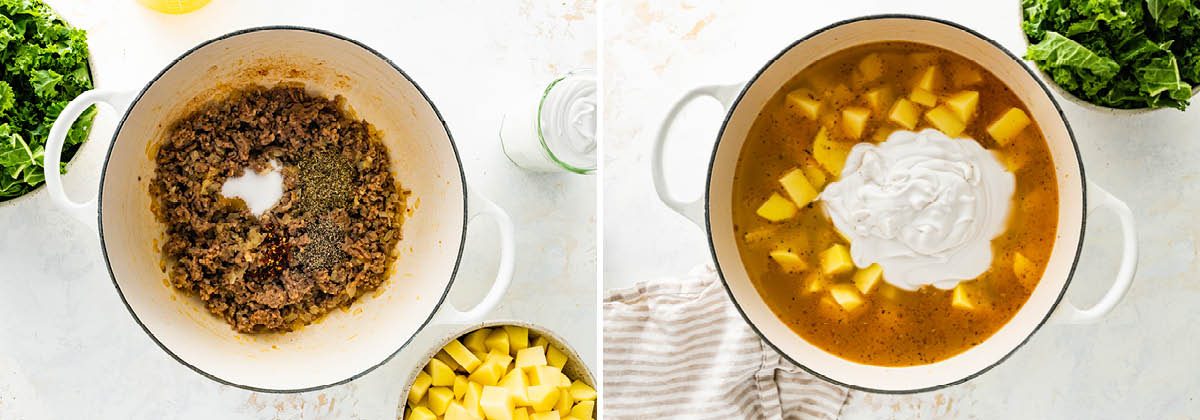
<point>563,381</point>
<point>445,358</point>
<point>422,413</point>
<point>1025,270</point>
<point>488,374</point>
<point>501,358</point>
<point>814,282</point>
<point>564,403</point>
<point>889,292</point>
<point>760,233</point>
<point>439,399</point>
<point>496,403</point>
<point>965,75</point>
<point>541,342</point>
<point>460,386</point>
<point>854,120</point>
<point>1008,125</point>
<point>520,413</point>
<point>789,261</point>
<point>921,59</point>
<point>457,412</point>
<point>497,341</point>
<point>905,113</point>
<point>879,98</point>
<point>929,79</point>
<point>797,187</point>
<point>462,355</point>
<point>866,278</point>
<point>777,208</point>
<point>870,67</point>
<point>556,357</point>
<point>544,375</point>
<point>846,296</point>
<point>471,400</point>
<point>944,120</point>
<point>514,381</point>
<point>518,338</point>
<point>836,260</point>
<point>839,96</point>
<point>530,357</point>
<point>583,410</point>
<point>482,356</point>
<point>441,373</point>
<point>963,104</point>
<point>1012,161</point>
<point>419,387</point>
<point>923,97</point>
<point>960,298</point>
<point>816,176</point>
<point>804,102</point>
<point>582,392</point>
<point>549,415</point>
<point>830,154</point>
<point>543,397</point>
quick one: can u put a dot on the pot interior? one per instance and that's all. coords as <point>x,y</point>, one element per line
<point>346,342</point>
<point>1044,112</point>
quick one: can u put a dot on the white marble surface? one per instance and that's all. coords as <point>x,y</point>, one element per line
<point>1137,363</point>
<point>69,349</point>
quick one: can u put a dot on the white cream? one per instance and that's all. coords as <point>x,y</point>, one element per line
<point>259,191</point>
<point>924,206</point>
<point>556,130</point>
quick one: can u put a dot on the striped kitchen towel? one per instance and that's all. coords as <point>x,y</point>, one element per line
<point>678,349</point>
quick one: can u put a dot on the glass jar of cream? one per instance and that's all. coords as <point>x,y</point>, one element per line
<point>557,132</point>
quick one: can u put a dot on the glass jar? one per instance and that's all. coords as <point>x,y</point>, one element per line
<point>557,131</point>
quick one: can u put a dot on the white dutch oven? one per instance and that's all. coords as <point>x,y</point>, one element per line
<point>345,344</point>
<point>1077,198</point>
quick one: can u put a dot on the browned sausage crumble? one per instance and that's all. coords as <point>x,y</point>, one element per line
<point>328,240</point>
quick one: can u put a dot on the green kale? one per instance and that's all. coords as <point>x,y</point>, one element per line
<point>1117,53</point>
<point>43,66</point>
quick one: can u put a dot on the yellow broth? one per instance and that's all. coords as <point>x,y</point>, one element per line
<point>892,327</point>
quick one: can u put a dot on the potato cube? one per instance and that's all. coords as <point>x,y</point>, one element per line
<point>497,341</point>
<point>449,361</point>
<point>836,260</point>
<point>475,340</point>
<point>776,209</point>
<point>439,399</point>
<point>830,154</point>
<point>905,113</point>
<point>530,357</point>
<point>470,401</point>
<point>797,187</point>
<point>804,102</point>
<point>870,67</point>
<point>760,233</point>
<point>961,298</point>
<point>556,357</point>
<point>846,296</point>
<point>816,176</point>
<point>839,96</point>
<point>944,120</point>
<point>923,97</point>
<point>929,79</point>
<point>854,120</point>
<point>457,412</point>
<point>496,403</point>
<point>1008,125</point>
<point>514,381</point>
<point>543,397</point>
<point>419,386</point>
<point>550,415</point>
<point>520,413</point>
<point>1025,270</point>
<point>518,338</point>
<point>563,381</point>
<point>441,373</point>
<point>889,292</point>
<point>488,374</point>
<point>965,75</point>
<point>866,278</point>
<point>422,413</point>
<point>462,355</point>
<point>879,98</point>
<point>814,282</point>
<point>544,375</point>
<point>564,403</point>
<point>583,410</point>
<point>963,104</point>
<point>460,386</point>
<point>541,342</point>
<point>788,261</point>
<point>501,358</point>
<point>582,392</point>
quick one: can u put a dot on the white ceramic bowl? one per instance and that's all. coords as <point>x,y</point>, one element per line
<point>574,369</point>
<point>344,344</point>
<point>1076,198</point>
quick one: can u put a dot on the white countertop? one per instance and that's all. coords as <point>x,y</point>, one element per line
<point>1137,363</point>
<point>68,347</point>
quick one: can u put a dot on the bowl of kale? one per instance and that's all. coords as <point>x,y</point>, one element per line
<point>1133,55</point>
<point>43,66</point>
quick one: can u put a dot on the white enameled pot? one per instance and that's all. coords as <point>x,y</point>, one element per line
<point>1077,198</point>
<point>346,343</point>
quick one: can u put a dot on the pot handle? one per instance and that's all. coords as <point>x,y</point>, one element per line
<point>692,210</point>
<point>481,206</point>
<point>84,211</point>
<point>1068,313</point>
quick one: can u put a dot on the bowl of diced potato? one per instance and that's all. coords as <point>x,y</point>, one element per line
<point>501,370</point>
